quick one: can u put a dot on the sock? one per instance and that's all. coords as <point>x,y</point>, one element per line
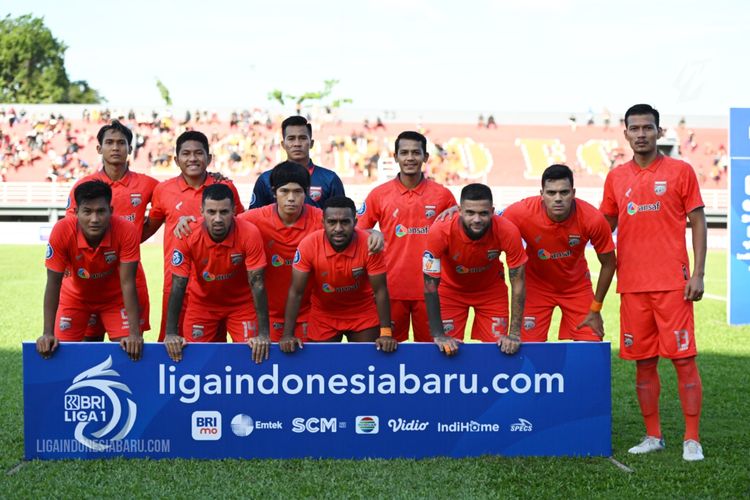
<point>691,394</point>
<point>648,386</point>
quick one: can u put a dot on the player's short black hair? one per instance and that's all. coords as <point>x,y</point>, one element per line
<point>642,109</point>
<point>192,135</point>
<point>217,192</point>
<point>414,136</point>
<point>556,172</point>
<point>287,172</point>
<point>117,126</point>
<point>92,190</point>
<point>476,192</point>
<point>296,120</point>
<point>340,202</point>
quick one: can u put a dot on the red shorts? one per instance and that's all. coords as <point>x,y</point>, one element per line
<point>277,329</point>
<point>203,325</point>
<point>537,314</point>
<point>322,327</point>
<point>95,328</point>
<point>404,310</point>
<point>74,318</point>
<point>656,324</point>
<point>490,313</point>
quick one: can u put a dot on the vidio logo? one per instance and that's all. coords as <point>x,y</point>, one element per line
<point>92,399</point>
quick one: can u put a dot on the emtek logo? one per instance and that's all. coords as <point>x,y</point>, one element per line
<point>314,424</point>
<point>206,425</point>
<point>368,424</point>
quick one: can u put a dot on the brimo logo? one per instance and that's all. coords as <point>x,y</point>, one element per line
<point>104,408</point>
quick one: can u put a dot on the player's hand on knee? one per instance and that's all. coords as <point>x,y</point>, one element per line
<point>133,345</point>
<point>174,345</point>
<point>183,226</point>
<point>446,344</point>
<point>260,347</point>
<point>46,345</point>
<point>509,344</point>
<point>386,343</point>
<point>289,343</point>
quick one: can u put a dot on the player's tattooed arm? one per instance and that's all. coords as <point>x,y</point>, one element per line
<point>260,345</point>
<point>174,342</point>
<point>47,342</point>
<point>133,343</point>
<point>289,342</point>
<point>512,342</point>
<point>446,344</point>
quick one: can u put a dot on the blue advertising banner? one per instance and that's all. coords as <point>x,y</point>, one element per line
<point>738,272</point>
<point>328,400</point>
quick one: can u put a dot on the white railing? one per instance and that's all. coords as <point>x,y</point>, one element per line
<point>55,195</point>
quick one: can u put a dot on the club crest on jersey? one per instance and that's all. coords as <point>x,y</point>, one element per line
<point>236,258</point>
<point>65,323</point>
<point>197,331</point>
<point>574,239</point>
<point>135,199</point>
<point>448,326</point>
<point>429,211</point>
<point>493,254</point>
<point>529,322</point>
<point>177,257</point>
<point>357,272</point>
<point>110,256</point>
<point>660,187</point>
<point>362,209</point>
<point>316,192</point>
<point>628,339</point>
<point>50,252</point>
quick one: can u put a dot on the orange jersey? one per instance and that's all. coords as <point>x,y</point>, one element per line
<point>651,205</point>
<point>217,270</point>
<point>463,264</point>
<point>130,195</point>
<point>405,216</point>
<point>94,272</point>
<point>280,243</point>
<point>557,250</point>
<point>339,281</point>
<point>173,199</point>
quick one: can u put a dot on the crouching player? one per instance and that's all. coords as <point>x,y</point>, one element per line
<point>349,291</point>
<point>463,253</point>
<point>101,255</point>
<point>222,263</point>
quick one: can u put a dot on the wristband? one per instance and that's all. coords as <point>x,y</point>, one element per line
<point>596,306</point>
<point>386,331</point>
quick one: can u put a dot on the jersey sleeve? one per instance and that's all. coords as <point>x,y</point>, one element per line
<point>510,240</point>
<point>70,209</point>
<point>609,203</point>
<point>56,258</point>
<point>255,255</point>
<point>599,232</point>
<point>436,245</point>
<point>337,187</point>
<point>375,263</point>
<point>691,197</point>
<point>448,200</point>
<point>512,213</point>
<point>303,257</point>
<point>181,262</point>
<point>262,195</point>
<point>157,211</point>
<point>130,248</point>
<point>367,215</point>
<point>238,208</point>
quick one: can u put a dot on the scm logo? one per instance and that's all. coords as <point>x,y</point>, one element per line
<point>314,424</point>
<point>206,425</point>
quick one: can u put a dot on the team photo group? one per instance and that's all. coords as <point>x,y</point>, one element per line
<point>302,263</point>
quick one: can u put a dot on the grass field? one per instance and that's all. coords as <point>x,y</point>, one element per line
<point>724,362</point>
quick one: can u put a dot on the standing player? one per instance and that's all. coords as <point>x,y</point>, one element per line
<point>297,141</point>
<point>349,290</point>
<point>210,261</point>
<point>101,253</point>
<point>648,200</point>
<point>556,228</point>
<point>181,197</point>
<point>464,252</point>
<point>405,208</point>
<point>131,193</point>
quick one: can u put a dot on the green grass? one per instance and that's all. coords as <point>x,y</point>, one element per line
<point>724,360</point>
